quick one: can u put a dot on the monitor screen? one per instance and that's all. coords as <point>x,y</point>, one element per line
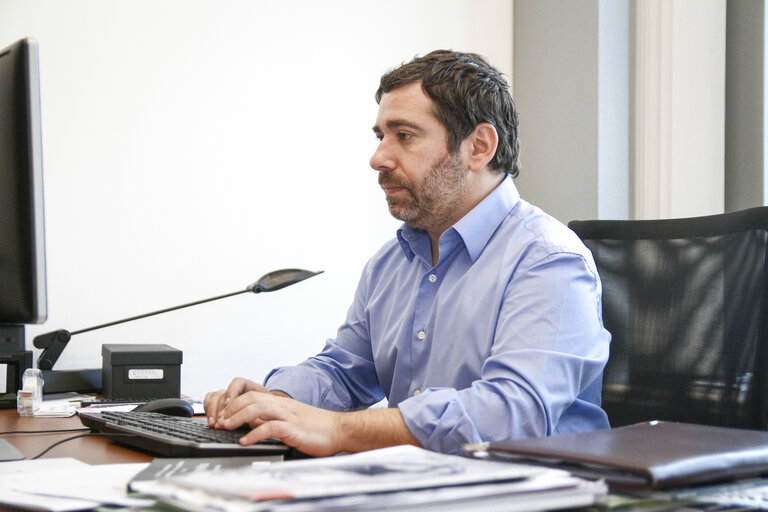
<point>22,243</point>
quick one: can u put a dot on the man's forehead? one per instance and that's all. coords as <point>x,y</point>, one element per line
<point>407,96</point>
<point>407,105</point>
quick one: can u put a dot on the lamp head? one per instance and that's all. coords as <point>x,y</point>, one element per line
<point>278,279</point>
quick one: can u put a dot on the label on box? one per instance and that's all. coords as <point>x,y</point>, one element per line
<point>145,374</point>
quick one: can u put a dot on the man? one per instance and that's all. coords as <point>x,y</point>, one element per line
<point>481,321</point>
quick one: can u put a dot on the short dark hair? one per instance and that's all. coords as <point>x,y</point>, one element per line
<point>466,91</point>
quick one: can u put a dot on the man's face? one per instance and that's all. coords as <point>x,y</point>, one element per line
<point>423,181</point>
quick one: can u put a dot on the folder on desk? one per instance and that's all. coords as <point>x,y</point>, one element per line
<point>655,454</point>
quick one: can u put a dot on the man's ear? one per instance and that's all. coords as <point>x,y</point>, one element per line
<point>483,142</point>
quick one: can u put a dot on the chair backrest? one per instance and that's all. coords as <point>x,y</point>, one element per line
<point>685,302</point>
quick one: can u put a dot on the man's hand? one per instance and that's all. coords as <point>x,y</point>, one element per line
<point>311,430</point>
<point>215,401</point>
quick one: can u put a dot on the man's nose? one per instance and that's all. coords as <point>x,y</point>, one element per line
<point>382,159</point>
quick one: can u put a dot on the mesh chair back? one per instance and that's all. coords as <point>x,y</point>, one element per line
<point>685,302</point>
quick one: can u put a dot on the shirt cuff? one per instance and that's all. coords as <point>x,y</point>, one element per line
<point>289,382</point>
<point>438,420</point>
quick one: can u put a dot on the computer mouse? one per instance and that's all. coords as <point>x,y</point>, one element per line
<point>169,406</point>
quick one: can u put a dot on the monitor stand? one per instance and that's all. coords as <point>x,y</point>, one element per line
<point>11,338</point>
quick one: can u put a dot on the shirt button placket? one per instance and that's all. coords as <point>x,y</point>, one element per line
<point>427,294</point>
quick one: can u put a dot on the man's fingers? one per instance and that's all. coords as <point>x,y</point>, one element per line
<point>240,386</point>
<point>211,403</point>
<point>236,387</point>
<point>216,402</point>
<point>252,407</point>
<point>273,428</point>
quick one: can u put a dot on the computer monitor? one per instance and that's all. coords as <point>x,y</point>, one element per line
<point>22,234</point>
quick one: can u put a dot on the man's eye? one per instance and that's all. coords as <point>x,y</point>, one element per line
<point>404,136</point>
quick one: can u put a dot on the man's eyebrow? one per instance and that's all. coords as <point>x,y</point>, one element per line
<point>394,124</point>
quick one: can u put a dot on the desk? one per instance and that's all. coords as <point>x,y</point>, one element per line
<point>93,450</point>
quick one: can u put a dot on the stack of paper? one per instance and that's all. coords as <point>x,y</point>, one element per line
<point>390,478</point>
<point>64,485</point>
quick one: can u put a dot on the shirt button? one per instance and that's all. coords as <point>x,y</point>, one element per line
<point>416,393</point>
<point>422,335</point>
<point>432,278</point>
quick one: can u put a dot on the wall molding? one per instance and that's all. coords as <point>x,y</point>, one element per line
<point>679,108</point>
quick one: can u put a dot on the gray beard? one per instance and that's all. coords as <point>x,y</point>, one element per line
<point>439,195</point>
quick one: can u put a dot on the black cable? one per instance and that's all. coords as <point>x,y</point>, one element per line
<point>44,431</point>
<point>89,434</point>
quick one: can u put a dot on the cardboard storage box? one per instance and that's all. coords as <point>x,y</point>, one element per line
<point>140,371</point>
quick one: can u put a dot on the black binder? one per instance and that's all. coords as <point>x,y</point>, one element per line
<point>648,455</point>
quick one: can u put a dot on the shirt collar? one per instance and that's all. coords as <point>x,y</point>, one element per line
<point>476,227</point>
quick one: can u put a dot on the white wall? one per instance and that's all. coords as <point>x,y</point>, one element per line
<point>192,146</point>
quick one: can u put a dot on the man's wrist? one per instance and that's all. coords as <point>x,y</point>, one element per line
<point>370,429</point>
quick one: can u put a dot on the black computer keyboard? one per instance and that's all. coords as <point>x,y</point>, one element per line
<point>177,427</point>
<point>88,402</point>
<point>176,436</point>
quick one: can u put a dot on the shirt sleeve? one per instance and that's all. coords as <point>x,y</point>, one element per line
<point>546,363</point>
<point>343,375</point>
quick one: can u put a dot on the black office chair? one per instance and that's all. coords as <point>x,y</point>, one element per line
<point>686,303</point>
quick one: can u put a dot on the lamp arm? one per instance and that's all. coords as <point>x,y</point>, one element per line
<point>53,344</point>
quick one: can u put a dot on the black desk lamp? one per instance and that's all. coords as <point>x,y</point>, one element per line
<point>88,381</point>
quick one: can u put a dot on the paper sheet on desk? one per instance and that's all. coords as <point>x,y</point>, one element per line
<point>55,410</point>
<point>109,407</point>
<point>61,485</point>
<point>58,405</point>
<point>543,492</point>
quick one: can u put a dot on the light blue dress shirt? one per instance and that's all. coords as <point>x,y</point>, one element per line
<point>502,339</point>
